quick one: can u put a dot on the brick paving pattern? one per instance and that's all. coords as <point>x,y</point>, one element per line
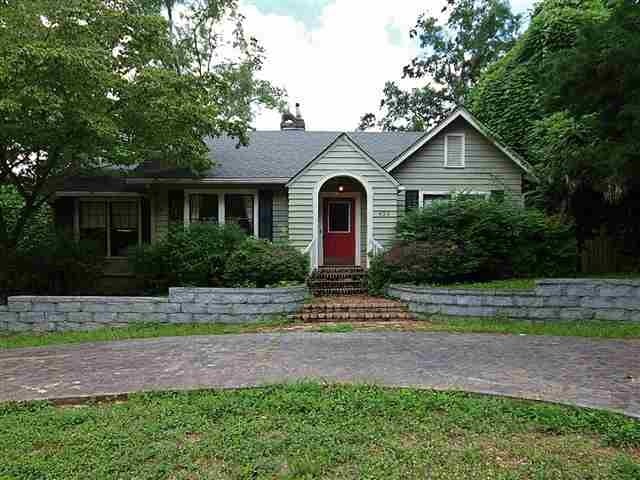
<point>593,373</point>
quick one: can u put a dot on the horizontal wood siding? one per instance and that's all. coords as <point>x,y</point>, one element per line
<point>280,216</point>
<point>486,167</point>
<point>343,158</point>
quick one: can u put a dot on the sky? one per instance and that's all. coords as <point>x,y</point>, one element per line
<point>334,56</point>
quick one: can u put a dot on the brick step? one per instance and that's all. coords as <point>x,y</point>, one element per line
<point>354,317</point>
<point>345,307</point>
<point>338,269</point>
<point>326,292</point>
<point>332,278</point>
<point>336,283</point>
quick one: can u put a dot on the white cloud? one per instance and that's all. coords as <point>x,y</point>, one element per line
<point>338,69</point>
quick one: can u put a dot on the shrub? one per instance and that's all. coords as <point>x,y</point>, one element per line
<point>260,263</point>
<point>191,256</point>
<point>56,265</point>
<point>481,240</point>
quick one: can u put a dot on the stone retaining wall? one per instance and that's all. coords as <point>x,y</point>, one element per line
<point>554,299</point>
<point>183,305</point>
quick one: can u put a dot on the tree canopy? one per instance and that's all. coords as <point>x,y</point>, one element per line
<point>87,84</point>
<point>454,54</point>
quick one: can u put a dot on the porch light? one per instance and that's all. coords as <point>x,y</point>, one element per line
<point>340,188</point>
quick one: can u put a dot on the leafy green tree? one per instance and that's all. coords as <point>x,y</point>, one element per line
<point>86,84</point>
<point>567,97</point>
<point>454,54</point>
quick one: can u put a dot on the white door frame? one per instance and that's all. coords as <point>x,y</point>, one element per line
<point>316,205</point>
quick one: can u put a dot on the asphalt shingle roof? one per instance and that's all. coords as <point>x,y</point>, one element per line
<point>282,154</point>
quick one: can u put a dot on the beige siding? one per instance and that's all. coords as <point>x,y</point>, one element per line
<point>343,158</point>
<point>280,216</point>
<point>160,213</point>
<point>486,167</point>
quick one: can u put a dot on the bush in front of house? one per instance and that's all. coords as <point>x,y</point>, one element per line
<point>259,263</point>
<point>187,256</point>
<point>437,261</point>
<point>58,265</point>
<point>480,240</point>
<point>46,261</point>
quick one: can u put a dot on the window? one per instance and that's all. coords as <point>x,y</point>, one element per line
<point>203,208</point>
<point>113,225</point>
<point>339,217</point>
<point>220,207</point>
<point>238,208</point>
<point>93,224</point>
<point>429,198</point>
<point>454,150</point>
<point>124,228</point>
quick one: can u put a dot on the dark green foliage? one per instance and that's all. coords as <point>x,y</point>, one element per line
<point>567,97</point>
<point>192,256</point>
<point>421,261</point>
<point>472,239</point>
<point>46,261</point>
<point>58,265</point>
<point>259,263</point>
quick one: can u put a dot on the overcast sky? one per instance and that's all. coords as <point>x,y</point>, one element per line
<point>334,56</point>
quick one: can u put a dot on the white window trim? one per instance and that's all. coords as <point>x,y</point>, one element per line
<point>107,200</point>
<point>221,205</point>
<point>446,150</point>
<point>451,194</point>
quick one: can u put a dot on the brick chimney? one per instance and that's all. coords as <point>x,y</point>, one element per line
<point>292,122</point>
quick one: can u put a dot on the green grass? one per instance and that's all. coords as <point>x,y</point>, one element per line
<point>591,328</point>
<point>309,431</point>
<point>141,330</point>
<point>587,328</point>
<point>509,284</point>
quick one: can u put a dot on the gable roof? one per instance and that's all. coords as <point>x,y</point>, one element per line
<point>280,155</point>
<point>475,123</point>
<point>365,154</point>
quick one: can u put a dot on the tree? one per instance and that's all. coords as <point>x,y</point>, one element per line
<point>455,53</point>
<point>567,97</point>
<point>86,84</point>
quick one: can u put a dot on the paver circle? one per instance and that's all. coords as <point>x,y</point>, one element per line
<point>578,371</point>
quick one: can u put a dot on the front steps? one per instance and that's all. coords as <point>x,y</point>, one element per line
<point>354,309</point>
<point>338,280</point>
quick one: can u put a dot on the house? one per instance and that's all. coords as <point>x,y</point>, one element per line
<point>335,195</point>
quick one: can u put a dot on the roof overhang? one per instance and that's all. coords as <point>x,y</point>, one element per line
<point>209,180</point>
<point>460,112</point>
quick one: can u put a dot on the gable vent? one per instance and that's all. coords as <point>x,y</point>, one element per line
<point>454,150</point>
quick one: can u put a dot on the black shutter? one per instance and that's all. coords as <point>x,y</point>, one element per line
<point>410,200</point>
<point>265,214</point>
<point>176,207</point>
<point>145,214</point>
<point>64,209</point>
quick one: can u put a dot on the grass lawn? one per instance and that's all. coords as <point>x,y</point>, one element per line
<point>141,330</point>
<point>509,284</point>
<point>309,431</point>
<point>596,329</point>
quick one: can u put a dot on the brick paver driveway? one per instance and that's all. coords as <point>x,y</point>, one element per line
<point>594,373</point>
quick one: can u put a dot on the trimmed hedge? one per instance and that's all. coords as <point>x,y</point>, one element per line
<point>216,256</point>
<point>188,256</point>
<point>475,239</point>
<point>259,263</point>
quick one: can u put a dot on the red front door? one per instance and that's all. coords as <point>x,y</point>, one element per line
<point>339,231</point>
